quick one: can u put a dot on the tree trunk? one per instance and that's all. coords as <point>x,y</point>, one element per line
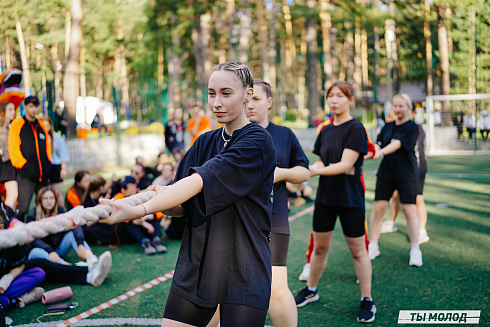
<point>23,56</point>
<point>444,54</point>
<point>72,79</point>
<point>326,22</point>
<point>428,48</point>
<point>7,52</point>
<point>262,35</point>
<point>244,32</point>
<point>357,56</point>
<point>311,60</point>
<point>271,57</point>
<point>200,39</point>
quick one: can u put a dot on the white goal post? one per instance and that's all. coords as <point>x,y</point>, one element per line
<point>429,100</point>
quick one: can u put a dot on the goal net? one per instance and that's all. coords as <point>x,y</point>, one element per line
<point>461,130</point>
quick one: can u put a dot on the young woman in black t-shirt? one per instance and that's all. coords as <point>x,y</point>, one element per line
<point>292,166</point>
<point>224,189</point>
<point>341,147</point>
<point>398,171</point>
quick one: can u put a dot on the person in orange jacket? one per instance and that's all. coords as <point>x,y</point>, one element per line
<point>30,153</point>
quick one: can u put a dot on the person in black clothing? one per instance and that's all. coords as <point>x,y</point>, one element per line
<point>341,147</point>
<point>139,174</point>
<point>223,189</point>
<point>60,121</point>
<point>398,171</point>
<point>174,134</point>
<point>292,166</point>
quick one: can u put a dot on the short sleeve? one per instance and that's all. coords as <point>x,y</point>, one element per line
<point>357,139</point>
<point>318,142</point>
<point>408,136</point>
<point>232,175</point>
<point>298,156</point>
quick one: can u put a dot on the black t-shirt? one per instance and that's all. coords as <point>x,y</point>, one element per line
<point>343,190</point>
<point>174,136</point>
<point>420,151</point>
<point>11,258</point>
<point>225,255</point>
<point>400,165</point>
<point>289,154</point>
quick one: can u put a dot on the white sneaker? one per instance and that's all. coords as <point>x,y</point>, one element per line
<point>305,273</point>
<point>388,226</point>
<point>101,269</point>
<point>32,296</point>
<point>373,251</point>
<point>415,258</point>
<point>423,237</point>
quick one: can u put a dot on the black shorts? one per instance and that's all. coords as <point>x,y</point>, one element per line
<point>279,245</point>
<point>7,172</point>
<point>55,174</point>
<point>182,310</point>
<point>421,183</point>
<point>351,219</point>
<point>407,190</point>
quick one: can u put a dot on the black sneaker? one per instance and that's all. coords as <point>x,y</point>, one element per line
<point>148,248</point>
<point>367,309</point>
<point>306,296</point>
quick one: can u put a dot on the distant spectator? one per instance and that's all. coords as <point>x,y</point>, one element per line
<point>484,125</point>
<point>174,134</point>
<point>199,123</point>
<point>167,176</point>
<point>138,173</point>
<point>162,159</point>
<point>60,120</point>
<point>8,173</point>
<point>75,193</point>
<point>59,158</point>
<point>458,122</point>
<point>96,189</point>
<point>470,123</point>
<point>150,172</point>
<point>436,118</point>
<point>30,153</point>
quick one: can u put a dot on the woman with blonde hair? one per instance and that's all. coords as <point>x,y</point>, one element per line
<point>398,171</point>
<point>8,173</point>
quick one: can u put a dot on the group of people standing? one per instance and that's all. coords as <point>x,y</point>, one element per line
<point>230,191</point>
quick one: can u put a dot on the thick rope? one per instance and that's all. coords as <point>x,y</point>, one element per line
<point>22,233</point>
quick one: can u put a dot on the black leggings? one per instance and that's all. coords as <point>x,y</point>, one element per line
<point>231,315</point>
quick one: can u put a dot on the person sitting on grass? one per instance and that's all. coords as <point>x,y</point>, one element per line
<point>17,284</point>
<point>75,193</point>
<point>56,246</point>
<point>145,230</point>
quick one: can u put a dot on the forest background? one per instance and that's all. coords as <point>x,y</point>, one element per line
<point>150,56</point>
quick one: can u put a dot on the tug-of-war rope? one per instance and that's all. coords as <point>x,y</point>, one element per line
<point>21,233</point>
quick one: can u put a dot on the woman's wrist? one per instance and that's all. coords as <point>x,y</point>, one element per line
<point>382,153</point>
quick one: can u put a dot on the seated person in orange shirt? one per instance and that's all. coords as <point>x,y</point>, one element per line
<point>145,230</point>
<point>199,123</point>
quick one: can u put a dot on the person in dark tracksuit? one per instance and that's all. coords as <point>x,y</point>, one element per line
<point>30,153</point>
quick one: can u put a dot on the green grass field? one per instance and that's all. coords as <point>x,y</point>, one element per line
<point>454,276</point>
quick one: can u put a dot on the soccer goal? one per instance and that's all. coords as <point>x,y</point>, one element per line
<point>461,132</point>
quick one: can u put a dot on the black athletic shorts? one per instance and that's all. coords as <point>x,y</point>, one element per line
<point>55,174</point>
<point>351,219</point>
<point>279,248</point>
<point>407,190</point>
<point>421,183</point>
<point>7,172</point>
<point>231,315</point>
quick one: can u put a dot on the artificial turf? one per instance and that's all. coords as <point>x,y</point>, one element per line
<point>454,276</point>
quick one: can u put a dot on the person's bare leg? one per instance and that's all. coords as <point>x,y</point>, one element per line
<point>421,211</point>
<point>377,214</point>
<point>172,323</point>
<point>410,211</point>
<point>282,307</point>
<point>394,206</point>
<point>215,320</point>
<point>319,256</point>
<point>12,191</point>
<point>362,264</point>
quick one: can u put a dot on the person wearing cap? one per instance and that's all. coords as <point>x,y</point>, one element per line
<point>484,125</point>
<point>145,230</point>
